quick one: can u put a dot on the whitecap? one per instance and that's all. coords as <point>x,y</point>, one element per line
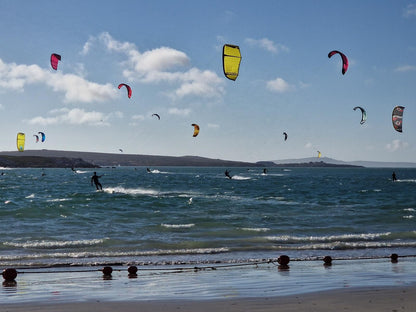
<point>30,196</point>
<point>55,244</point>
<point>57,200</point>
<point>237,177</point>
<point>178,226</point>
<point>341,237</point>
<point>256,229</point>
<point>130,191</point>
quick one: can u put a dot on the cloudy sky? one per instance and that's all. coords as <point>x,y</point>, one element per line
<point>169,52</point>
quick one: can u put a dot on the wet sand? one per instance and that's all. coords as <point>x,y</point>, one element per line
<point>377,299</point>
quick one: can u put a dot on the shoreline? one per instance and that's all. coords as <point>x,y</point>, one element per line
<point>377,299</point>
<point>261,283</point>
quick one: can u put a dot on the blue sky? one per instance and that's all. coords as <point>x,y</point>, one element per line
<point>169,52</point>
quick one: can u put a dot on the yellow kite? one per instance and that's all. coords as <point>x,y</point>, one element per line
<point>231,58</point>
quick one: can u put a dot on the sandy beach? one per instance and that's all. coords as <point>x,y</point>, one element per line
<point>352,299</point>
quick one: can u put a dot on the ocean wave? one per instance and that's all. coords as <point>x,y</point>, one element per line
<point>113,254</point>
<point>237,177</point>
<point>130,191</point>
<point>58,200</point>
<point>343,237</point>
<point>338,245</point>
<point>178,226</point>
<point>54,244</point>
<point>255,229</point>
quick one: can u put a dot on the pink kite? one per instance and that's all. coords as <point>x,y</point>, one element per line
<point>55,58</point>
<point>128,89</point>
<point>344,60</point>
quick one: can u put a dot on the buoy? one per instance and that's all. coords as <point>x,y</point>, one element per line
<point>394,258</point>
<point>283,260</point>
<point>9,274</point>
<point>327,260</point>
<point>107,270</point>
<point>132,271</point>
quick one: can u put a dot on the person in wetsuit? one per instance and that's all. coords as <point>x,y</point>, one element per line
<point>393,176</point>
<point>227,174</point>
<point>97,183</point>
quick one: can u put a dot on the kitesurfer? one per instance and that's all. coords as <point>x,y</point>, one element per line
<point>393,176</point>
<point>148,170</point>
<point>264,171</point>
<point>97,183</point>
<point>227,174</point>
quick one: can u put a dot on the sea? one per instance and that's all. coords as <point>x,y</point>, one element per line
<point>170,218</point>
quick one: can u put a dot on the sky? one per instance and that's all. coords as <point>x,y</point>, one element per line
<point>170,53</point>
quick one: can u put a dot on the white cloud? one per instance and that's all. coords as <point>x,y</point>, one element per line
<point>167,65</point>
<point>410,10</point>
<point>137,117</point>
<point>213,126</point>
<point>75,116</point>
<point>308,145</point>
<point>279,85</point>
<point>179,112</point>
<point>74,87</point>
<point>267,45</point>
<point>87,46</point>
<point>396,145</point>
<point>405,68</point>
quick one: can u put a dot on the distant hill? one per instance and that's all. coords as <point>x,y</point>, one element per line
<point>66,159</point>
<point>110,159</point>
<point>42,162</point>
<point>369,164</point>
<point>316,164</point>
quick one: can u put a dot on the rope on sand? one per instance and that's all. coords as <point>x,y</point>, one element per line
<point>282,262</point>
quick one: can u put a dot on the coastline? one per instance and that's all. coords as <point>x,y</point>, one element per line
<point>377,299</point>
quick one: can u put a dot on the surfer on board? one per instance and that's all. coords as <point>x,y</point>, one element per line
<point>393,176</point>
<point>97,183</point>
<point>227,174</point>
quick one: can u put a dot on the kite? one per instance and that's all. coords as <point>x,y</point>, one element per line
<point>42,136</point>
<point>55,58</point>
<point>157,115</point>
<point>20,141</point>
<point>344,60</point>
<point>363,114</point>
<point>37,138</point>
<point>120,150</point>
<point>231,58</point>
<point>285,134</point>
<point>319,154</point>
<point>196,129</point>
<point>397,118</point>
<point>127,87</point>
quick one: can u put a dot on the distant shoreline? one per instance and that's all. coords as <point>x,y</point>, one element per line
<point>72,159</point>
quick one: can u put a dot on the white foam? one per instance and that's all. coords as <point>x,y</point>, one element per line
<point>55,244</point>
<point>237,177</point>
<point>364,236</point>
<point>81,171</point>
<point>130,191</point>
<point>178,226</point>
<point>406,180</point>
<point>57,200</point>
<point>256,229</point>
<point>30,196</point>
